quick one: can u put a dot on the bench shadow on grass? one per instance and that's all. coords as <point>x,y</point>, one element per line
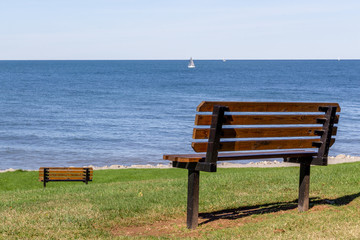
<point>236,213</point>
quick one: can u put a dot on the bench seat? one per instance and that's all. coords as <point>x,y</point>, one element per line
<point>240,156</point>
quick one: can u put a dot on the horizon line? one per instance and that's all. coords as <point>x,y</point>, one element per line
<point>186,59</point>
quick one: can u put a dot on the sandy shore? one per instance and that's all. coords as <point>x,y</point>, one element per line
<point>263,164</point>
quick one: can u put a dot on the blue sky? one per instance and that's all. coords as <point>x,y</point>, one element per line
<point>143,29</point>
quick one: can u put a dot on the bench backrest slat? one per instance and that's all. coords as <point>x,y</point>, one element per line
<point>258,145</point>
<point>263,119</point>
<point>65,177</point>
<point>207,106</point>
<point>246,127</point>
<point>66,168</point>
<point>203,133</point>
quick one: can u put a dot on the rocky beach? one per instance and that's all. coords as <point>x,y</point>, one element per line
<point>341,158</point>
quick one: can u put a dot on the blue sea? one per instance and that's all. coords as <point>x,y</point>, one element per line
<point>77,113</point>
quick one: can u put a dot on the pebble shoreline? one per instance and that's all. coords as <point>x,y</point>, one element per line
<point>263,164</point>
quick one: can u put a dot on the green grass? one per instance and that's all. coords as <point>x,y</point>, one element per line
<point>253,203</point>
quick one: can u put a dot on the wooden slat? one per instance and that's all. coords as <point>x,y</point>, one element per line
<point>258,145</point>
<point>64,178</point>
<point>184,157</point>
<point>75,178</point>
<point>69,172</point>
<point>207,106</point>
<point>56,175</point>
<point>241,155</point>
<point>262,119</point>
<point>203,133</point>
<point>67,168</point>
<point>64,175</point>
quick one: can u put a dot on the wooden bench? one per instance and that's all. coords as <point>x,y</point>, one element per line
<point>263,131</point>
<point>61,174</point>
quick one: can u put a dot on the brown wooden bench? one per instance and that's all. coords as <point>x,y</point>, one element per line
<point>264,130</point>
<point>61,174</point>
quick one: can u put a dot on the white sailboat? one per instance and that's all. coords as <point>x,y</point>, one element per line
<point>191,63</point>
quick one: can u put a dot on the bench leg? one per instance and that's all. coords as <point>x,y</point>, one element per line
<point>193,199</point>
<point>45,176</point>
<point>304,185</point>
<point>87,176</point>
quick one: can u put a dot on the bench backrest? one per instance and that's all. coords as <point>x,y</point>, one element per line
<point>253,126</point>
<point>65,173</point>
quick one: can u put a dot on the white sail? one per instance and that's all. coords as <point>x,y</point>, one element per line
<point>191,63</point>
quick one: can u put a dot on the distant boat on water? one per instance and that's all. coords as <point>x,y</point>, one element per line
<point>224,60</point>
<point>191,63</point>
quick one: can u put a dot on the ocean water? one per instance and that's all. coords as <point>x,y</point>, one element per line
<point>76,113</point>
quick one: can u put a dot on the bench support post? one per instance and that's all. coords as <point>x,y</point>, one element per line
<point>45,176</point>
<point>214,134</point>
<point>209,165</point>
<point>303,204</point>
<point>87,177</point>
<point>328,124</point>
<point>193,199</point>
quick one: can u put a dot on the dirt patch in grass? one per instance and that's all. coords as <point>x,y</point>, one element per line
<point>157,229</point>
<point>317,208</point>
<point>226,219</point>
<point>218,220</point>
<point>177,227</point>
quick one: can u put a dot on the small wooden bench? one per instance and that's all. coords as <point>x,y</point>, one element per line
<point>263,130</point>
<point>61,174</point>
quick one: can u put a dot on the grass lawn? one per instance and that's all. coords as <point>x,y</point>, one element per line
<point>247,203</point>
